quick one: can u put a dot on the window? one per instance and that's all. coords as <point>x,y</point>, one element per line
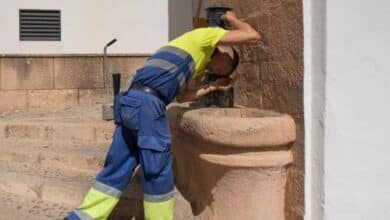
<point>39,25</point>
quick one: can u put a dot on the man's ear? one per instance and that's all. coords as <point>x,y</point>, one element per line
<point>227,50</point>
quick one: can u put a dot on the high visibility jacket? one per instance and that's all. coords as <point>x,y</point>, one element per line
<point>175,64</point>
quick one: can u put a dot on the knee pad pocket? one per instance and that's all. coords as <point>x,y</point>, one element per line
<point>154,162</point>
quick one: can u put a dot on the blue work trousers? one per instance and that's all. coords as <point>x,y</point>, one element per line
<point>142,136</point>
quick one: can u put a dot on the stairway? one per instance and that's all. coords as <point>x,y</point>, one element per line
<point>48,160</point>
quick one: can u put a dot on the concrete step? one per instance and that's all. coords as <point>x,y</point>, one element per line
<point>52,172</point>
<point>69,190</point>
<point>76,125</point>
<point>58,131</point>
<point>66,190</point>
<point>48,160</point>
<point>54,184</point>
<point>54,156</point>
<point>17,207</point>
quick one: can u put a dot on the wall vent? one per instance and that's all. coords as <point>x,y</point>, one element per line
<point>39,25</point>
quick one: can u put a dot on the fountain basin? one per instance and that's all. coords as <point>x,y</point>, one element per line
<point>239,127</point>
<point>231,163</point>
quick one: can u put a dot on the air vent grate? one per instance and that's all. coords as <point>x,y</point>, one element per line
<point>39,25</point>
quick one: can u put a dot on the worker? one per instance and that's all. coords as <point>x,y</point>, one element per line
<point>142,135</point>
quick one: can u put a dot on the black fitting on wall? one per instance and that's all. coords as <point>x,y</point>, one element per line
<point>214,16</point>
<point>223,99</point>
<point>116,81</point>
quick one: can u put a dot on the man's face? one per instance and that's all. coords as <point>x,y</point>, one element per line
<point>220,63</point>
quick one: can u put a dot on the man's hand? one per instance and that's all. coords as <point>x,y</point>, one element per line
<point>223,84</point>
<point>241,32</point>
<point>229,16</point>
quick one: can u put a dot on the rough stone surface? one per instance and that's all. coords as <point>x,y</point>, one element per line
<point>48,159</point>
<point>294,202</point>
<point>47,155</point>
<point>127,66</point>
<point>291,215</point>
<point>90,97</point>
<point>13,100</point>
<point>298,150</point>
<point>80,126</point>
<point>21,207</point>
<point>254,127</point>
<point>245,179</point>
<point>271,72</point>
<point>26,73</point>
<point>77,72</point>
<point>61,81</point>
<point>45,188</point>
<point>57,99</point>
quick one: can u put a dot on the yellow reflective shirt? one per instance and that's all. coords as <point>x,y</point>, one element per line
<point>200,44</point>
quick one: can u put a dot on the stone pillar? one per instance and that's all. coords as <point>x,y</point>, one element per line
<point>271,75</point>
<point>232,163</point>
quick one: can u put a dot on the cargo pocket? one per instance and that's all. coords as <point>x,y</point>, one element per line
<point>130,108</point>
<point>161,128</point>
<point>153,162</point>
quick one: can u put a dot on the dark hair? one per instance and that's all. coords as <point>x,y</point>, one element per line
<point>216,50</point>
<point>234,61</point>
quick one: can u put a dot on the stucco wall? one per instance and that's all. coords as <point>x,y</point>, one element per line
<point>272,76</point>
<point>139,26</point>
<point>357,119</point>
<point>314,98</point>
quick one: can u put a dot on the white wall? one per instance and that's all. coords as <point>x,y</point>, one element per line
<point>87,25</point>
<point>356,147</point>
<point>314,105</point>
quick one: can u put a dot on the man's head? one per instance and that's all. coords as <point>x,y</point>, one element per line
<point>223,61</point>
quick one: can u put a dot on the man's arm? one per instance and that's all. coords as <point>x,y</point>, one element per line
<point>241,32</point>
<point>191,94</point>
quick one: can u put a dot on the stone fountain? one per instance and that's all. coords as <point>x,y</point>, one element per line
<point>231,163</point>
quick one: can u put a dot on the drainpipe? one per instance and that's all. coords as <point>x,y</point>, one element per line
<point>107,107</point>
<point>105,70</point>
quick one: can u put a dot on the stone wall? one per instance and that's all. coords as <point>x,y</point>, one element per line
<point>272,75</point>
<point>58,81</point>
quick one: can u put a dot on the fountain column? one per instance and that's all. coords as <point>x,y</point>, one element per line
<point>231,163</point>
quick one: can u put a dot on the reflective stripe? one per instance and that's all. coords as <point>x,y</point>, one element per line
<point>175,50</point>
<point>160,63</point>
<point>82,215</point>
<point>191,66</point>
<point>182,80</point>
<point>107,189</point>
<point>179,52</point>
<point>98,205</point>
<point>159,210</point>
<point>158,198</point>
